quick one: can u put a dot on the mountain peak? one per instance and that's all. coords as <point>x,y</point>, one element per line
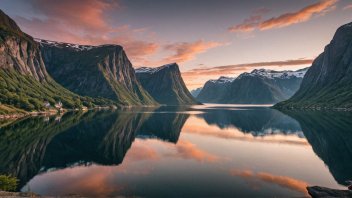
<point>272,74</point>
<point>223,79</point>
<point>152,70</point>
<point>7,23</point>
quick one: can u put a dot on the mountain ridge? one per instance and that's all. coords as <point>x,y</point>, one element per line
<point>165,84</point>
<point>327,84</point>
<point>261,86</point>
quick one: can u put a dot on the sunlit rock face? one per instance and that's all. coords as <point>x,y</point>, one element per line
<point>165,84</point>
<point>327,83</point>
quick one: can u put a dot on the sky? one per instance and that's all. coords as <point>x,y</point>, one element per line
<point>207,38</point>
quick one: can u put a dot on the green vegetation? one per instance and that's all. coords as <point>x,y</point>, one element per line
<point>6,109</point>
<point>332,97</point>
<point>8,183</point>
<point>25,92</point>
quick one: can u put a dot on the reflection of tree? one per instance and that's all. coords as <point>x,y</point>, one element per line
<point>36,144</point>
<point>258,121</point>
<point>330,134</point>
<point>23,144</point>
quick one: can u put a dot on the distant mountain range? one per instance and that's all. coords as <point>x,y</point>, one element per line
<point>260,86</point>
<point>165,84</point>
<point>328,83</point>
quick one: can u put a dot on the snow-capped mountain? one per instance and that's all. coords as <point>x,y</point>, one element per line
<point>223,79</point>
<point>75,47</point>
<point>261,86</point>
<point>272,74</point>
<point>152,70</point>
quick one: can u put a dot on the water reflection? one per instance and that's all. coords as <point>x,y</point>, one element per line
<point>255,120</point>
<point>199,150</point>
<point>330,134</point>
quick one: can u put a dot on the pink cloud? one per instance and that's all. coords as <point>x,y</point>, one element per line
<point>287,19</point>
<point>186,51</point>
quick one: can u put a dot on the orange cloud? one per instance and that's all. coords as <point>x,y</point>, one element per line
<point>187,150</point>
<point>283,181</point>
<point>287,19</point>
<point>186,51</point>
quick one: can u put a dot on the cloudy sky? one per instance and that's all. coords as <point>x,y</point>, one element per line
<point>207,38</point>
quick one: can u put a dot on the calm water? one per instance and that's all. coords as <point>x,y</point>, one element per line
<point>198,151</point>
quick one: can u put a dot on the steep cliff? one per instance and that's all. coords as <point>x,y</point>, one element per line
<point>328,83</point>
<point>96,71</point>
<point>25,82</point>
<point>165,85</point>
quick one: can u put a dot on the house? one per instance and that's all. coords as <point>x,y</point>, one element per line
<point>58,105</point>
<point>46,104</point>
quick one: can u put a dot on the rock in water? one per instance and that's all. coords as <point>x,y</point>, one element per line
<point>322,192</point>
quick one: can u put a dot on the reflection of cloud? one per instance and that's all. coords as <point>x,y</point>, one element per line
<point>283,181</point>
<point>187,150</point>
<point>287,19</point>
<point>141,152</point>
<point>200,127</point>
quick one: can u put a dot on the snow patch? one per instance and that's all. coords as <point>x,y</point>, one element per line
<point>223,79</point>
<point>152,70</point>
<point>271,74</point>
<point>75,47</point>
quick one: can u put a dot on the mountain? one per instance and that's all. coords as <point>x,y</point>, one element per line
<point>195,92</point>
<point>261,86</point>
<point>165,85</point>
<point>95,71</point>
<point>215,90</point>
<point>25,82</point>
<point>328,82</point>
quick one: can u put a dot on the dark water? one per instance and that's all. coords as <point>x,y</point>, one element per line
<point>198,151</point>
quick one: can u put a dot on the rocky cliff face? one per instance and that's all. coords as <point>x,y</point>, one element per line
<point>25,83</point>
<point>18,51</point>
<point>327,83</point>
<point>96,71</point>
<point>165,85</point>
<point>258,87</point>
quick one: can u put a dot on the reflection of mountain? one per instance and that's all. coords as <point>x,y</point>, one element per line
<point>330,135</point>
<point>23,144</point>
<point>35,144</point>
<point>103,138</point>
<point>258,121</point>
<point>164,124</point>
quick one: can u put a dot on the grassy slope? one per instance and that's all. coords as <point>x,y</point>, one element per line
<point>24,92</point>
